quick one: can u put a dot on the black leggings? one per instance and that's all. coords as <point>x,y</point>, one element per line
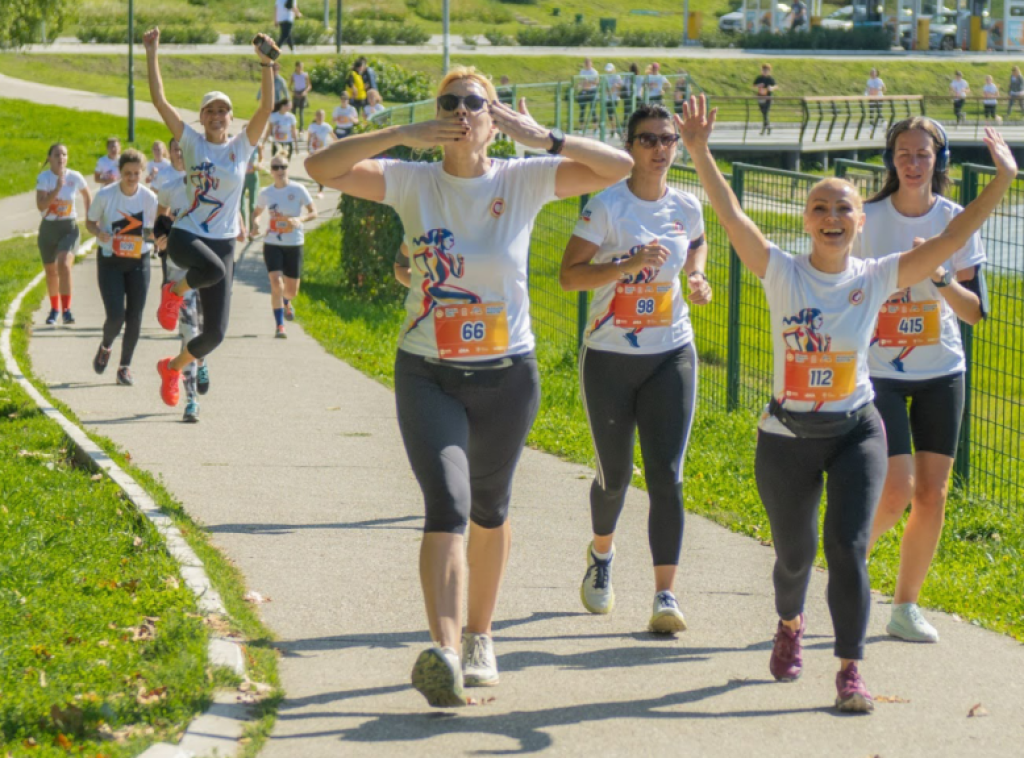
<point>286,35</point>
<point>791,473</point>
<point>275,146</point>
<point>933,420</point>
<point>654,394</point>
<point>464,427</point>
<point>123,286</point>
<point>765,107</point>
<point>211,269</point>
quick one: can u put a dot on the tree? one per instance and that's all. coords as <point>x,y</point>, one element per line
<point>20,20</point>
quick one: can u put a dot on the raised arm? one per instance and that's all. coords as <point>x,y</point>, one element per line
<point>266,105</point>
<point>695,127</point>
<point>151,41</point>
<point>589,165</point>
<point>921,262</point>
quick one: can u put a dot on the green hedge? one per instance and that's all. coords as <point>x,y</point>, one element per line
<point>819,38</point>
<point>395,83</point>
<point>173,35</point>
<point>651,38</point>
<point>564,35</point>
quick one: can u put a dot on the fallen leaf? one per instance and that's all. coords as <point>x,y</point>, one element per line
<point>42,678</point>
<point>64,742</point>
<point>977,711</point>
<point>96,477</point>
<point>252,596</point>
<point>137,542</point>
<point>148,697</point>
<point>144,631</point>
<point>890,699</point>
<point>30,742</point>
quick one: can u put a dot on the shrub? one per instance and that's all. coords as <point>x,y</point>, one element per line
<point>519,2</point>
<point>378,14</point>
<point>175,35</point>
<point>396,84</point>
<point>459,10</point>
<point>818,38</point>
<point>651,38</point>
<point>498,38</point>
<point>564,35</point>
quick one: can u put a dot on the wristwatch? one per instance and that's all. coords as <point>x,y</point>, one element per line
<point>557,137</point>
<point>945,280</point>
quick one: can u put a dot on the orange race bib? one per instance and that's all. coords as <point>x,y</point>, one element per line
<point>643,305</point>
<point>820,377</point>
<point>908,324</point>
<point>60,208</point>
<point>280,225</point>
<point>281,135</point>
<point>466,331</point>
<point>126,246</point>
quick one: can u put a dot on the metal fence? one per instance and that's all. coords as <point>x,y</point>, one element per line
<point>733,336</point>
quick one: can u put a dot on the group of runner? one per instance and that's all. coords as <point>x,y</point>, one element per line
<point>862,326</point>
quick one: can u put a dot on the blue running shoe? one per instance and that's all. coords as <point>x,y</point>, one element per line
<point>52,318</point>
<point>203,380</point>
<point>191,412</point>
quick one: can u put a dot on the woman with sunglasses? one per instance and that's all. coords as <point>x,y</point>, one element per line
<point>916,357</point>
<point>821,422</point>
<point>638,366</point>
<point>282,246</point>
<point>466,380</point>
<point>203,238</point>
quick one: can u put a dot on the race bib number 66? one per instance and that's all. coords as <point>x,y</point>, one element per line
<point>474,330</point>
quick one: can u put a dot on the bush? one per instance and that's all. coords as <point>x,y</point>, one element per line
<point>174,35</point>
<point>861,38</point>
<point>460,10</point>
<point>498,38</point>
<point>377,14</point>
<point>519,2</point>
<point>396,84</point>
<point>713,37</point>
<point>310,33</point>
<point>651,38</point>
<point>564,35</point>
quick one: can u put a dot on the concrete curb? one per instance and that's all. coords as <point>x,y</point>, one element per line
<point>217,731</point>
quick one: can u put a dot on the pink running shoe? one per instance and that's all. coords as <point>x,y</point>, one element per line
<point>787,662</point>
<point>170,391</point>
<point>170,303</point>
<point>852,694</point>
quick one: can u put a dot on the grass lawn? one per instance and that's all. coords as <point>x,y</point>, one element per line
<point>33,128</point>
<point>978,572</point>
<point>92,610</point>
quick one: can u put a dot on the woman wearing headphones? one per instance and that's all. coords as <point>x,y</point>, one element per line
<point>916,357</point>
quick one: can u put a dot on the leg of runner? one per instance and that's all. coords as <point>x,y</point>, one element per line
<point>292,271</point>
<point>136,284</point>
<point>188,328</point>
<point>57,240</point>
<point>273,257</point>
<point>111,281</point>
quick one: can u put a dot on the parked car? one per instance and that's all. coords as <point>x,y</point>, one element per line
<point>733,22</point>
<point>945,30</point>
<point>840,19</point>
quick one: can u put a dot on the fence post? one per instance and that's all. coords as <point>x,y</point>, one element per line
<point>962,463</point>
<point>558,105</point>
<point>732,371</point>
<point>572,105</point>
<point>582,297</point>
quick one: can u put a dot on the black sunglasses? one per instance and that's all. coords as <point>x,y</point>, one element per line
<point>278,168</point>
<point>473,103</point>
<point>648,139</point>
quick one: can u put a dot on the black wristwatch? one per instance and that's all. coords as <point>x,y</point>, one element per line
<point>557,137</point>
<point>946,279</point>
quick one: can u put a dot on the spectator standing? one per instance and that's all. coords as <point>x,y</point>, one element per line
<point>990,99</point>
<point>798,15</point>
<point>369,76</point>
<point>280,85</point>
<point>679,94</point>
<point>285,13</point>
<point>959,89</point>
<point>875,88</point>
<point>1016,91</point>
<point>654,84</point>
<point>588,79</point>
<point>630,83</point>
<point>506,94</point>
<point>613,87</point>
<point>300,92</point>
<point>764,86</point>
<point>355,86</point>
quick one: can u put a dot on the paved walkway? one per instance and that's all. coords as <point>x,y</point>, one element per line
<point>298,472</point>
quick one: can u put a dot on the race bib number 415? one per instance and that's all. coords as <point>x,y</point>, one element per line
<point>820,377</point>
<point>643,305</point>
<point>908,324</point>
<point>467,331</point>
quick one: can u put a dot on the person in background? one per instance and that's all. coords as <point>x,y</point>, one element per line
<point>875,88</point>
<point>280,85</point>
<point>285,13</point>
<point>959,89</point>
<point>679,92</point>
<point>370,76</point>
<point>588,79</point>
<point>630,88</point>
<point>159,163</point>
<point>990,99</point>
<point>250,190</point>
<point>345,117</point>
<point>281,129</point>
<point>373,104</point>
<point>320,136</point>
<point>613,86</point>
<point>107,169</point>
<point>506,95</point>
<point>654,84</point>
<point>764,86</point>
<point>355,85</point>
<point>1016,90</point>
<point>300,92</point>
<point>798,15</point>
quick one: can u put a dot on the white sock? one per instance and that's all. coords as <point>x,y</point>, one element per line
<point>602,556</point>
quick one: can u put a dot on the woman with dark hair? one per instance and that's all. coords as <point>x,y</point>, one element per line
<point>56,188</point>
<point>821,430</point>
<point>630,88</point>
<point>281,130</point>
<point>466,381</point>
<point>355,85</point>
<point>764,86</point>
<point>638,365</point>
<point>916,358</point>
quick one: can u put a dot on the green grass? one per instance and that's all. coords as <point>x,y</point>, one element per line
<point>33,128</point>
<point>978,573</point>
<point>80,571</point>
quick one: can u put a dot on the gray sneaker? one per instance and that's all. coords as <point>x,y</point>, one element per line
<point>908,624</point>
<point>437,676</point>
<point>479,666</point>
<point>666,618</point>
<point>596,591</point>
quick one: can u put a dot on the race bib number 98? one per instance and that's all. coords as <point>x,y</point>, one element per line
<point>467,331</point>
<point>908,324</point>
<point>643,305</point>
<point>820,377</point>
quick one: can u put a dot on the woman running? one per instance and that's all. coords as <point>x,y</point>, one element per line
<point>282,246</point>
<point>345,117</point>
<point>320,136</point>
<point>122,218</point>
<point>466,379</point>
<point>638,366</point>
<point>281,129</point>
<point>916,356</point>
<point>56,188</point>
<point>108,169</point>
<point>159,162</point>
<point>203,238</point>
<point>821,422</point>
<point>374,104</point>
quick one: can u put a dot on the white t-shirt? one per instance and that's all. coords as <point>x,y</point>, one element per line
<point>875,86</point>
<point>216,177</point>
<point>589,80</point>
<point>300,82</point>
<point>172,191</point>
<point>959,87</point>
<point>821,327</point>
<point>155,167</point>
<point>370,110</point>
<point>281,13</point>
<point>319,136</point>
<point>348,112</point>
<point>281,125</point>
<point>991,92</point>
<point>614,85</point>
<point>887,231</point>
<point>655,83</point>
<point>62,206</point>
<point>284,204</point>
<point>620,223</point>
<point>108,168</point>
<point>124,217</point>
<point>469,243</point>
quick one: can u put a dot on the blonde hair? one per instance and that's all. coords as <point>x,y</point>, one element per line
<point>467,72</point>
<point>159,142</point>
<point>836,183</point>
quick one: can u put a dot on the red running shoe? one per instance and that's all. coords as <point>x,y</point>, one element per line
<point>167,313</point>
<point>787,662</point>
<point>852,694</point>
<point>170,380</point>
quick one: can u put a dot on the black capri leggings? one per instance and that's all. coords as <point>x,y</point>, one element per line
<point>791,473</point>
<point>766,107</point>
<point>284,258</point>
<point>123,287</point>
<point>464,426</point>
<point>656,395</point>
<point>211,269</point>
<point>933,420</point>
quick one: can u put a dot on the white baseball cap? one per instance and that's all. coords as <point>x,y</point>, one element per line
<point>609,67</point>
<point>212,97</point>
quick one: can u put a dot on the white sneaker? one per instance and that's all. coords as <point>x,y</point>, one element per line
<point>479,666</point>
<point>437,676</point>
<point>666,618</point>
<point>596,591</point>
<point>908,624</point>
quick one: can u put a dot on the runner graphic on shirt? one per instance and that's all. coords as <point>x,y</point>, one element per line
<point>805,336</point>
<point>204,182</point>
<point>434,260</point>
<point>645,275</point>
<point>279,223</point>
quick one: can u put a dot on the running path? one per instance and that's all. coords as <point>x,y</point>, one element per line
<point>298,472</point>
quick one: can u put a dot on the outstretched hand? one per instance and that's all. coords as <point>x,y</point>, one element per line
<point>519,125</point>
<point>1002,156</point>
<point>697,123</point>
<point>151,39</point>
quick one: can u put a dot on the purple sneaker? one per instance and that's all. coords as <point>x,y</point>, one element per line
<point>852,694</point>
<point>787,662</point>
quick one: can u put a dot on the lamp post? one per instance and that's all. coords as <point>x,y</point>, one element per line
<point>446,29</point>
<point>686,22</point>
<point>337,30</point>
<point>131,71</point>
